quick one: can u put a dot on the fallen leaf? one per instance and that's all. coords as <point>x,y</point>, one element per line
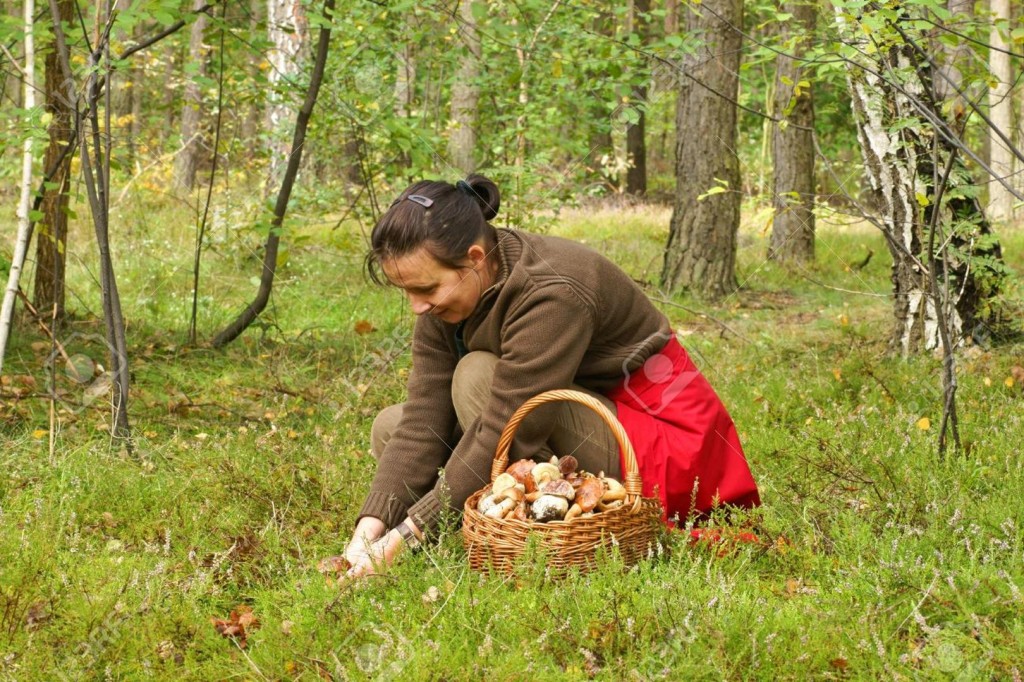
<point>1017,372</point>
<point>924,423</point>
<point>1008,382</point>
<point>286,627</point>
<point>364,327</point>
<point>839,663</point>
<point>238,625</point>
<point>986,381</point>
<point>39,434</point>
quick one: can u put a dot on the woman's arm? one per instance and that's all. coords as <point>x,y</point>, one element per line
<point>408,467</point>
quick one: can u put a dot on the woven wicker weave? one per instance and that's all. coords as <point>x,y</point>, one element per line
<point>495,544</point>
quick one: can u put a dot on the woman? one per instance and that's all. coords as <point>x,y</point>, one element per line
<point>502,316</point>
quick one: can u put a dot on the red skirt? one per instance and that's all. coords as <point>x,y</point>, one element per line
<point>685,441</point>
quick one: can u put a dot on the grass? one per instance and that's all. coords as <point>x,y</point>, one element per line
<point>881,558</point>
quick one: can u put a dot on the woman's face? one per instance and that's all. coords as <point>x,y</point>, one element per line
<point>431,287</point>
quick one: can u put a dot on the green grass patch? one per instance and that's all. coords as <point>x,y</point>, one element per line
<point>880,559</point>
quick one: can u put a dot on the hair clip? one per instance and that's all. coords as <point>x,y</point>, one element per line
<point>425,202</point>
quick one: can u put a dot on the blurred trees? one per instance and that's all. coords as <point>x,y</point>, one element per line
<point>557,101</point>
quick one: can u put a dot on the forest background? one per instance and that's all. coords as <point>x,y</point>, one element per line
<point>824,197</point>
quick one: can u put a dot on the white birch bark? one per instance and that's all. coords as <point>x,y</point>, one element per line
<point>1000,101</point>
<point>25,201</point>
<point>287,30</point>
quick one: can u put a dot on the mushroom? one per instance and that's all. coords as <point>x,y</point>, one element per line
<point>502,508</point>
<point>613,490</point>
<point>550,508</point>
<point>614,495</point>
<point>521,470</point>
<point>541,474</point>
<point>485,503</point>
<point>588,495</point>
<point>501,484</point>
<point>568,465</point>
<point>559,487</point>
<point>515,493</point>
<point>519,513</point>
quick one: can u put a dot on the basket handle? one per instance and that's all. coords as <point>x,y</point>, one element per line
<point>633,483</point>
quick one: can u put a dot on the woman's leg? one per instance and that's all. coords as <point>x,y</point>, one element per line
<point>383,427</point>
<point>578,430</point>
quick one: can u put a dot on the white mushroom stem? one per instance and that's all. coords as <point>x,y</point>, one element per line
<point>499,510</point>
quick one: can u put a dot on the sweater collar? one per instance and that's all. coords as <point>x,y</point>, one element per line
<point>510,249</point>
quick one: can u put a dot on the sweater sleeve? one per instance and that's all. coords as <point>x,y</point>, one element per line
<point>408,467</point>
<point>543,343</point>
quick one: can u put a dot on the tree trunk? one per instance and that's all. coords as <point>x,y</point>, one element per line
<point>253,111</point>
<point>636,148</point>
<point>793,193</point>
<point>286,26</point>
<point>51,239</point>
<point>465,93</point>
<point>25,201</point>
<point>902,163</point>
<point>701,250</point>
<point>253,310</point>
<point>187,160</point>
<point>1000,100</point>
<point>671,16</point>
<point>405,81</point>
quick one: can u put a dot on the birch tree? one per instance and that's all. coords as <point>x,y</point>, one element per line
<point>1000,98</point>
<point>24,202</point>
<point>287,30</point>
<point>907,146</point>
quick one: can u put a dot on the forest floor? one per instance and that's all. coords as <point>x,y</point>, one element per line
<point>878,557</point>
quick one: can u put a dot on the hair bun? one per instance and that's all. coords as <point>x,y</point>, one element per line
<point>486,194</point>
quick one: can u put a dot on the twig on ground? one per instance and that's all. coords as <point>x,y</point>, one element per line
<point>721,324</point>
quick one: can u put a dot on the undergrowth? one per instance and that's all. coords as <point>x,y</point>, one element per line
<point>877,557</point>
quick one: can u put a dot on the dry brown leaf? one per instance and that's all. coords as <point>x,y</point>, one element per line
<point>238,625</point>
<point>364,327</point>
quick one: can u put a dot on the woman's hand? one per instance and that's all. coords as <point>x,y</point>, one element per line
<point>367,532</point>
<point>376,556</point>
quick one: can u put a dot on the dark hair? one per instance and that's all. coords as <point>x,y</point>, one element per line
<point>455,217</point>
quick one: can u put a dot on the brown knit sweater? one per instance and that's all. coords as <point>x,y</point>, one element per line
<point>558,313</point>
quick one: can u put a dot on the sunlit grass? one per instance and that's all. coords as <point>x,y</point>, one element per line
<point>881,558</point>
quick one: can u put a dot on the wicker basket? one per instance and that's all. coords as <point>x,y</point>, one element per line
<point>495,544</point>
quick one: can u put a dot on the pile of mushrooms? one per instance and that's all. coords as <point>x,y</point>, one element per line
<point>550,491</point>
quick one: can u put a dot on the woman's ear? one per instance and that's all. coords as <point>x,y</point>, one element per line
<point>476,254</point>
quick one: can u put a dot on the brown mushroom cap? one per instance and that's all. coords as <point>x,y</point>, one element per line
<point>589,493</point>
<point>559,487</point>
<point>521,470</point>
<point>568,465</point>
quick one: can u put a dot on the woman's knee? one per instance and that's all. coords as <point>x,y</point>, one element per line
<point>384,426</point>
<point>471,384</point>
